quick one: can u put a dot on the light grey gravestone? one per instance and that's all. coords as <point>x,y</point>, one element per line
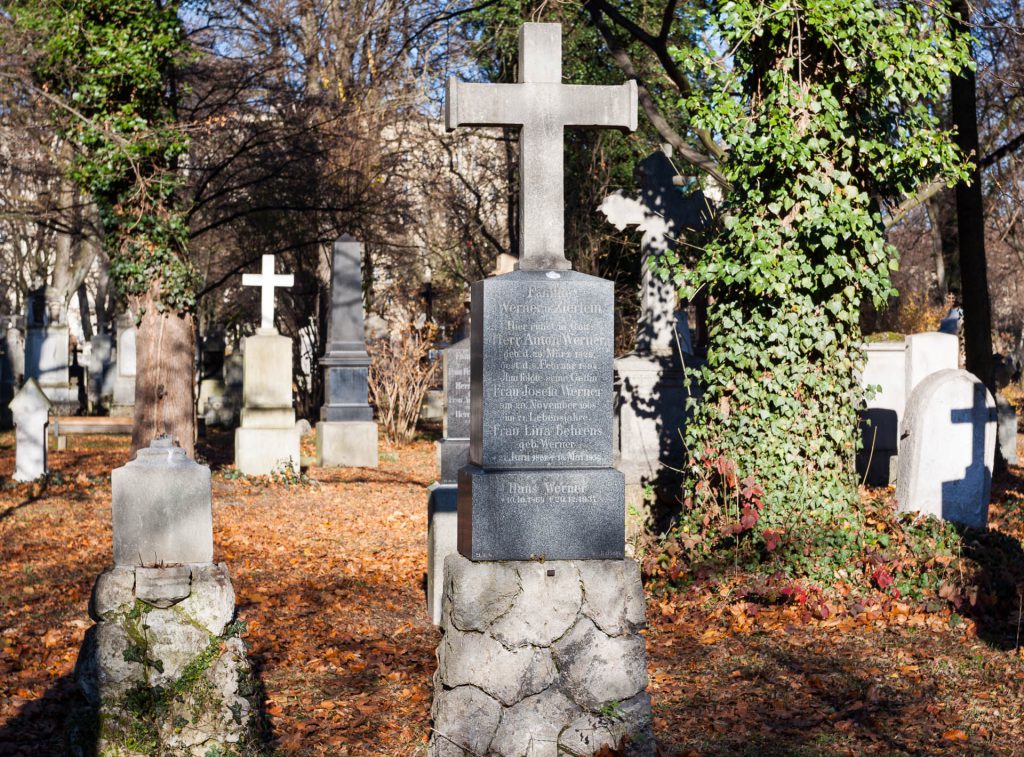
<point>47,352</point>
<point>102,372</point>
<point>651,384</point>
<point>163,658</point>
<point>947,449</point>
<point>895,368</point>
<point>124,381</point>
<point>267,440</point>
<point>1007,431</point>
<point>211,381</point>
<point>31,411</point>
<point>452,454</point>
<point>346,435</point>
<point>541,655</point>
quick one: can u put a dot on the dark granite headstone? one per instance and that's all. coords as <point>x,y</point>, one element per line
<point>540,481</point>
<point>346,362</point>
<point>453,448</point>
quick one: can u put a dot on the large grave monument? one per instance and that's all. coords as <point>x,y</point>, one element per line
<point>452,454</point>
<point>541,613</point>
<point>346,435</point>
<point>30,409</point>
<point>651,383</point>
<point>267,441</point>
<point>947,449</point>
<point>47,351</point>
<point>163,659</point>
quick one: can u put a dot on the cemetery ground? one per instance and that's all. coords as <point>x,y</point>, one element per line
<point>328,571</point>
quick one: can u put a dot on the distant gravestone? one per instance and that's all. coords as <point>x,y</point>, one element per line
<point>452,454</point>
<point>31,410</point>
<point>163,615</point>
<point>267,441</point>
<point>47,352</point>
<point>124,380</point>
<point>947,449</point>
<point>928,353</point>
<point>102,371</point>
<point>1007,432</point>
<point>346,435</point>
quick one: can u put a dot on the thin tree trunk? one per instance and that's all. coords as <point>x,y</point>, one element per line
<point>165,356</point>
<point>971,220</point>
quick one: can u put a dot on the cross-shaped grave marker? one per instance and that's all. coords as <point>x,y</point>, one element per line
<point>542,107</point>
<point>267,280</point>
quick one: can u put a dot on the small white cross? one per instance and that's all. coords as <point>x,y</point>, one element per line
<point>267,280</point>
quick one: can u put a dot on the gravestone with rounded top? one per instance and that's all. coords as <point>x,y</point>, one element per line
<point>126,357</point>
<point>346,435</point>
<point>947,449</point>
<point>267,440</point>
<point>540,612</point>
<point>31,411</point>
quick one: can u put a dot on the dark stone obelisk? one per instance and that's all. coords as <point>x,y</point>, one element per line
<point>346,435</point>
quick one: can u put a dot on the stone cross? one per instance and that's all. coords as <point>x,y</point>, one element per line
<point>267,280</point>
<point>542,107</point>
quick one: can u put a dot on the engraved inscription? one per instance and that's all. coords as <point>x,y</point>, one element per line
<point>457,388</point>
<point>549,379</point>
<point>545,492</point>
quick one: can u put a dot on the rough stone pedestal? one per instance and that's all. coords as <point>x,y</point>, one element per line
<point>346,444</point>
<point>163,670</point>
<point>541,659</point>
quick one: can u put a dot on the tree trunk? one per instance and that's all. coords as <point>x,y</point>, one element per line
<point>165,357</point>
<point>971,220</point>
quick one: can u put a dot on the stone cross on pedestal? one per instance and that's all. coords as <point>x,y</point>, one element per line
<point>542,107</point>
<point>539,595</point>
<point>267,280</point>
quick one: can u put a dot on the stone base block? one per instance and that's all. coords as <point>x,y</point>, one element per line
<point>442,527</point>
<point>268,417</point>
<point>452,454</point>
<point>541,659</point>
<point>346,445</point>
<point>541,514</point>
<point>163,671</point>
<point>262,451</point>
<point>122,410</point>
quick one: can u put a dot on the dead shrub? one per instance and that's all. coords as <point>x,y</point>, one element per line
<point>400,374</point>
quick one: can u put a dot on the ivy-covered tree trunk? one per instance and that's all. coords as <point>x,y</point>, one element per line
<point>164,393</point>
<point>822,107</point>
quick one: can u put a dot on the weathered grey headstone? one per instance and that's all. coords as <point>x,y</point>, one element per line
<point>452,454</point>
<point>102,371</point>
<point>267,441</point>
<point>1007,431</point>
<point>161,508</point>
<point>541,425</point>
<point>346,435</point>
<point>524,663</point>
<point>126,357</point>
<point>31,411</point>
<point>947,449</point>
<point>163,659</point>
<point>47,353</point>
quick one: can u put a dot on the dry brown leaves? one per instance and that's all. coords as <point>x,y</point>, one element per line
<point>329,580</point>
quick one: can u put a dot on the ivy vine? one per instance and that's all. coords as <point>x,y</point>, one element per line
<point>824,107</point>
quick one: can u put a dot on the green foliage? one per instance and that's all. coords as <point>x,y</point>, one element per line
<point>822,106</point>
<point>111,64</point>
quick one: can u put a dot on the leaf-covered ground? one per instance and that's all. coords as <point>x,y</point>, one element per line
<point>329,578</point>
